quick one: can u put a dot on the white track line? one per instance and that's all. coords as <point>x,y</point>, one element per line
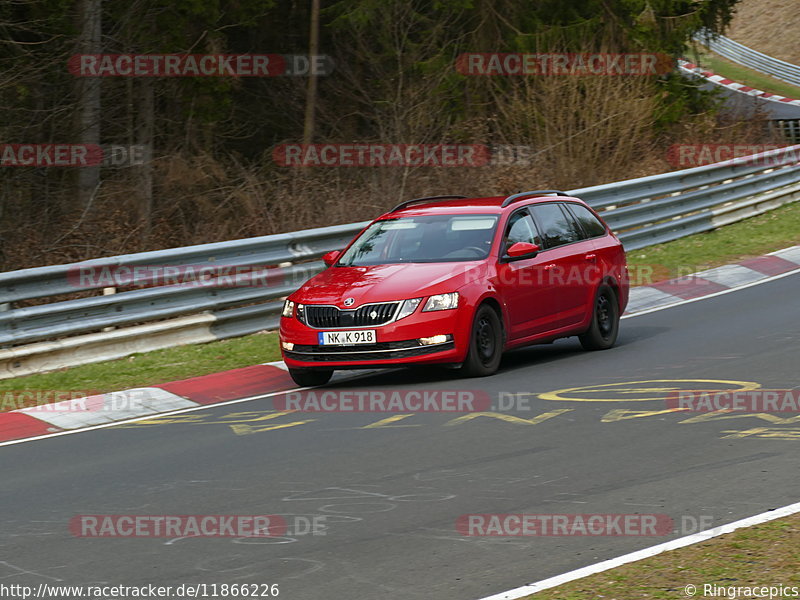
<point>269,395</point>
<point>532,588</point>
<point>149,417</point>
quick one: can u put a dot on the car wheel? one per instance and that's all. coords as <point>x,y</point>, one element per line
<point>485,345</point>
<point>311,377</point>
<point>603,330</point>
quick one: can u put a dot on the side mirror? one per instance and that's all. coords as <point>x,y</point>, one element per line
<point>522,250</point>
<point>331,257</point>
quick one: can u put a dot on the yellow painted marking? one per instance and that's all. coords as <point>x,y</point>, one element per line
<point>386,423</point>
<point>509,418</point>
<point>621,414</point>
<point>204,419</point>
<point>174,419</point>
<point>251,416</point>
<point>726,413</point>
<point>249,429</point>
<point>664,391</point>
<point>763,432</point>
<point>644,390</point>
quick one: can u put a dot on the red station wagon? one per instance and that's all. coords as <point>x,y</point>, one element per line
<point>457,281</point>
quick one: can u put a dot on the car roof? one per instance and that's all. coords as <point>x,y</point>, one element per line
<point>487,205</point>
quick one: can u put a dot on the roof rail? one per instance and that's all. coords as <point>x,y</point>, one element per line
<point>408,202</point>
<point>522,195</point>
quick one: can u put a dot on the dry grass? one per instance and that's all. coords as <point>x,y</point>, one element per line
<point>763,555</point>
<point>769,26</point>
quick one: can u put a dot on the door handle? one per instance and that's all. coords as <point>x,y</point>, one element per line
<point>591,257</point>
<point>550,266</point>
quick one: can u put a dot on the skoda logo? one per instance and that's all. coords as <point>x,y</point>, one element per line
<point>349,301</point>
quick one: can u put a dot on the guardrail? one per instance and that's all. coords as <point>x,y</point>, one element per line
<point>788,128</point>
<point>748,57</point>
<point>112,323</point>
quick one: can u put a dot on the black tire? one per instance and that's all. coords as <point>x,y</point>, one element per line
<point>604,328</point>
<point>311,377</point>
<point>485,345</point>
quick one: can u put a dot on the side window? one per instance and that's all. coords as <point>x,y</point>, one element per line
<point>520,228</point>
<point>590,224</point>
<point>556,226</point>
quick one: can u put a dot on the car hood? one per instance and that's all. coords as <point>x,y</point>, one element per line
<point>382,283</point>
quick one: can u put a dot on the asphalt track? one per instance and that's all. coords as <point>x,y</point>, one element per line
<point>391,493</point>
<point>743,106</point>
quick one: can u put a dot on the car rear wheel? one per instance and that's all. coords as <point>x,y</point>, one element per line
<point>485,346</point>
<point>311,377</point>
<point>602,332</point>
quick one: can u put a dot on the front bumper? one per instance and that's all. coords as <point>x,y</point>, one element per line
<point>397,343</point>
<point>387,351</point>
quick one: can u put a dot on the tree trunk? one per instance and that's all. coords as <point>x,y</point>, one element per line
<point>311,91</point>
<point>88,88</point>
<point>144,138</point>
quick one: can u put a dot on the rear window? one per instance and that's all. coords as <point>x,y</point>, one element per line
<point>591,225</point>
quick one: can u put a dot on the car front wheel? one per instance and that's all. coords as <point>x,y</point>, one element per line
<point>604,327</point>
<point>485,345</point>
<point>311,377</point>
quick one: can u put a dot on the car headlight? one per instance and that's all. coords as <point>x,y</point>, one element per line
<point>288,309</point>
<point>441,302</point>
<point>408,307</point>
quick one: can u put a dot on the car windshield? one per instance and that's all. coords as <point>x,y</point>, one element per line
<point>431,238</point>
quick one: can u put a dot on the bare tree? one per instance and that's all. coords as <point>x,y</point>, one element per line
<point>311,93</point>
<point>88,92</point>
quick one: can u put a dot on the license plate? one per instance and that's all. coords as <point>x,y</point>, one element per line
<point>347,338</point>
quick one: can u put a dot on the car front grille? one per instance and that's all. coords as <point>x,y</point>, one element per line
<point>384,351</point>
<point>369,315</point>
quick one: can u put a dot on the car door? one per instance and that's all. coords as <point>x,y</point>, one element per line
<point>522,283</point>
<point>570,263</point>
<point>610,257</point>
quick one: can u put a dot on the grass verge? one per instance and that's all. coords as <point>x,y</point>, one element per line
<point>159,366</point>
<point>741,74</point>
<point>762,555</point>
<point>771,231</point>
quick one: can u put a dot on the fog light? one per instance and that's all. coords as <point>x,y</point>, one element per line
<point>435,339</point>
<point>287,346</point>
